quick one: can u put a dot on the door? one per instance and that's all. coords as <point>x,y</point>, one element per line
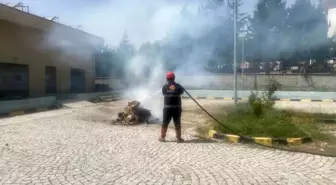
<point>14,81</point>
<point>77,81</point>
<point>50,80</point>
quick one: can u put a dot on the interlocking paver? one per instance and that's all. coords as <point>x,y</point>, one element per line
<point>70,147</point>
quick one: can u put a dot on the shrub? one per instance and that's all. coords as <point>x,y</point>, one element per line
<point>257,108</point>
<point>259,118</point>
<point>272,123</point>
<point>253,97</point>
<point>268,97</point>
<point>266,101</point>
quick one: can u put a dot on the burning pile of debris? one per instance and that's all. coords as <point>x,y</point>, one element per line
<point>134,114</point>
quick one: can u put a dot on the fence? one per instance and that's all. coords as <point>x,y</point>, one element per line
<point>289,82</point>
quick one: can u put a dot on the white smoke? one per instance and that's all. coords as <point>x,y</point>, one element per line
<point>149,21</point>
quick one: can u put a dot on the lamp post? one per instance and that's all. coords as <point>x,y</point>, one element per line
<point>243,36</point>
<point>235,51</point>
<point>243,54</point>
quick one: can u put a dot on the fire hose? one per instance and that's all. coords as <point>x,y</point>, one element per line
<point>244,137</point>
<point>200,106</point>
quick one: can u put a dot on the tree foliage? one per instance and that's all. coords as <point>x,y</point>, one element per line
<point>274,32</point>
<point>289,34</point>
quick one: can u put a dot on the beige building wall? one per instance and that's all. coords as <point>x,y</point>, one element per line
<point>49,44</point>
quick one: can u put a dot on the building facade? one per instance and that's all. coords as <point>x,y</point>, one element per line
<point>330,6</point>
<point>332,22</point>
<point>40,57</point>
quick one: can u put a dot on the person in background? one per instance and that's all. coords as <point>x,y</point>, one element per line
<point>172,92</point>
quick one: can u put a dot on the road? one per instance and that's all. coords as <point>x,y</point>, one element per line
<point>81,146</point>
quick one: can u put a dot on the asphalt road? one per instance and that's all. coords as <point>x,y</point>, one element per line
<point>80,146</point>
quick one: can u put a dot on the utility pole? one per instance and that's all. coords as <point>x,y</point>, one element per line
<point>243,60</point>
<point>235,51</point>
<point>243,54</point>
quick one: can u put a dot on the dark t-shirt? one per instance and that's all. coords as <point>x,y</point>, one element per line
<point>172,94</point>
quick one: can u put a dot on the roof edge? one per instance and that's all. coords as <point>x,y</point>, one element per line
<point>31,20</point>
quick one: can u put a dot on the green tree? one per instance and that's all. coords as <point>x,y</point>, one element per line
<point>300,27</point>
<point>266,28</point>
<point>152,51</point>
<point>125,49</point>
<point>108,62</point>
<point>308,33</point>
<point>221,37</point>
<point>102,63</point>
<point>320,48</point>
<point>111,62</point>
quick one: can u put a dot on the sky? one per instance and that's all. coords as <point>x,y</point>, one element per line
<point>145,20</point>
<point>68,10</point>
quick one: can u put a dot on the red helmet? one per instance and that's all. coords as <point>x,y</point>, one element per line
<point>170,75</point>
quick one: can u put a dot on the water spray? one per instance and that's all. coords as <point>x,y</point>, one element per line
<point>149,96</point>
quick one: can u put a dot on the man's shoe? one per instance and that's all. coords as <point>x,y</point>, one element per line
<point>180,140</point>
<point>163,133</point>
<point>162,139</point>
<point>178,135</point>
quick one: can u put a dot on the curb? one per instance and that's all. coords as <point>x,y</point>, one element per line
<point>228,98</point>
<point>267,141</point>
<point>107,98</point>
<point>27,111</point>
<point>278,99</point>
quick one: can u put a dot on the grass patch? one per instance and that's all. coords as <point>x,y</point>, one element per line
<point>272,123</point>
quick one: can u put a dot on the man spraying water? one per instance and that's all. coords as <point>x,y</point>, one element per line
<point>172,92</point>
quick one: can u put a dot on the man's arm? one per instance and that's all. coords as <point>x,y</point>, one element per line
<point>181,89</point>
<point>164,90</point>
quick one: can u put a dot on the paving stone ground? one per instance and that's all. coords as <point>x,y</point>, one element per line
<point>81,146</point>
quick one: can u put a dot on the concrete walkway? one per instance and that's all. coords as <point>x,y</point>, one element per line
<point>81,146</point>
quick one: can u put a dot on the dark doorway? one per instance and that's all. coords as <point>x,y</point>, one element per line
<point>77,81</point>
<point>50,80</point>
<point>14,81</point>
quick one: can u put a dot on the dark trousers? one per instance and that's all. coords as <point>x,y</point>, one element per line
<point>172,113</point>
